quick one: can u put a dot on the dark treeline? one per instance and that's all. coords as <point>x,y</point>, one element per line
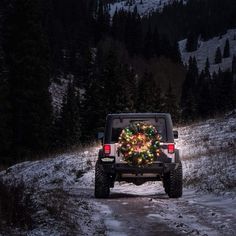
<point>194,19</point>
<point>121,64</point>
<point>205,95</point>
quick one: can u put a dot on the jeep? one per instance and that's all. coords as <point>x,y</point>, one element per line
<point>111,167</point>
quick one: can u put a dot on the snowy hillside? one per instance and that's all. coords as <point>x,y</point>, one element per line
<point>46,183</point>
<point>208,48</point>
<point>208,151</point>
<point>144,7</point>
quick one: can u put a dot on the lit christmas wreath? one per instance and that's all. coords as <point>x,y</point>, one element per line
<point>139,143</point>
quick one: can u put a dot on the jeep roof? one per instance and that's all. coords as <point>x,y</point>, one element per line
<point>140,116</point>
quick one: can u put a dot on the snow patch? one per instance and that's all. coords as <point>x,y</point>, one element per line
<point>207,49</point>
<point>113,226</point>
<point>61,206</point>
<point>154,215</point>
<point>209,157</point>
<point>144,7</point>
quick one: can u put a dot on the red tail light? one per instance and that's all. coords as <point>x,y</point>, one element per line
<point>171,148</point>
<point>107,149</point>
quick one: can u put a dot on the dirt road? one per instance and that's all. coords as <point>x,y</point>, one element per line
<point>147,211</point>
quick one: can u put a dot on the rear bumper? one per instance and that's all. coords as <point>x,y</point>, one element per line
<point>158,168</point>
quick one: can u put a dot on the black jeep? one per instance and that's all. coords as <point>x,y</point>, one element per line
<point>111,167</point>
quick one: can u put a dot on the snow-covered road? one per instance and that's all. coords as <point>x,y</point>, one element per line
<point>147,210</point>
<point>71,209</point>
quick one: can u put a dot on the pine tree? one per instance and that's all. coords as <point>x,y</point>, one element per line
<point>70,126</point>
<point>109,74</point>
<point>149,94</point>
<point>143,93</point>
<point>225,97</point>
<point>156,42</point>
<point>126,90</point>
<point>27,58</point>
<point>171,104</point>
<point>158,99</point>
<point>188,97</point>
<point>192,41</point>
<point>119,22</point>
<point>119,83</point>
<point>148,44</point>
<point>218,56</point>
<point>204,93</point>
<point>100,93</point>
<point>234,65</point>
<point>226,49</point>
<point>102,21</point>
<point>204,97</point>
<point>166,48</point>
<point>175,53</point>
<point>5,113</point>
<point>133,33</point>
<point>111,88</point>
<point>207,67</point>
<point>207,64</point>
<point>93,110</point>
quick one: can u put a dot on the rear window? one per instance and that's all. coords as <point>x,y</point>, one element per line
<point>119,124</point>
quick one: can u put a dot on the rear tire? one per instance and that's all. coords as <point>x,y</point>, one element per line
<point>173,182</point>
<point>102,188</point>
<point>166,183</point>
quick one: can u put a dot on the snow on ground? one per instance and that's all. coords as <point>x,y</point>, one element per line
<point>208,206</point>
<point>208,150</point>
<point>48,182</point>
<point>207,49</point>
<point>62,189</point>
<point>147,210</point>
<point>64,170</point>
<point>144,7</point>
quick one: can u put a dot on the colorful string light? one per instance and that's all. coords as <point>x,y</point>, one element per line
<point>139,143</point>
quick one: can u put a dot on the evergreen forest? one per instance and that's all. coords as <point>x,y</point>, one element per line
<point>123,63</point>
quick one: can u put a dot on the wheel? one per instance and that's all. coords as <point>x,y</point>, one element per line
<point>166,182</point>
<point>173,182</point>
<point>102,188</point>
